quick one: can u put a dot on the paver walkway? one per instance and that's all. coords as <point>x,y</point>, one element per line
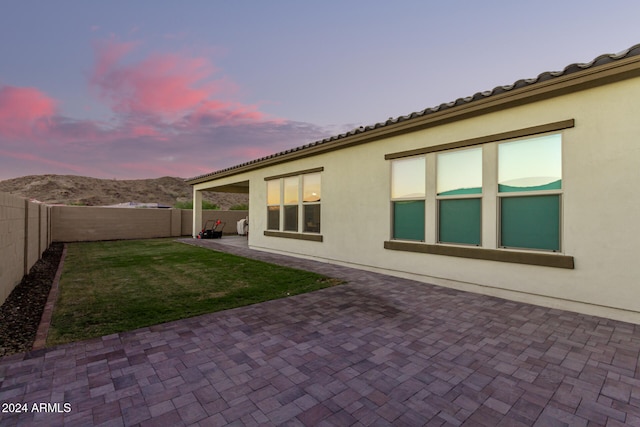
<point>376,351</point>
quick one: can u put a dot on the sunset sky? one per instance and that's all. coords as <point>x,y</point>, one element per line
<point>127,90</point>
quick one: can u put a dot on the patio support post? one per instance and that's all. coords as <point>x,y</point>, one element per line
<point>197,212</point>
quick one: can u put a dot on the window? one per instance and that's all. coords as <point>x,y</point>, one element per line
<point>459,190</point>
<point>530,189</point>
<point>502,193</point>
<point>291,203</point>
<point>311,202</point>
<point>407,198</point>
<point>295,199</point>
<point>273,205</point>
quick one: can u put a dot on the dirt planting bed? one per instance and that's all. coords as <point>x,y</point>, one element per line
<point>21,313</point>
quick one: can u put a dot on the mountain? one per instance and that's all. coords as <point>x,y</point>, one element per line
<point>82,190</point>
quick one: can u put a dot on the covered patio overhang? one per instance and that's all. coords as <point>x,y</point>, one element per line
<point>220,187</point>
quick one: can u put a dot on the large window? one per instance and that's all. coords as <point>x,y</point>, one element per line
<point>293,203</point>
<point>530,188</point>
<point>528,191</point>
<point>459,192</point>
<point>408,198</point>
<point>495,197</point>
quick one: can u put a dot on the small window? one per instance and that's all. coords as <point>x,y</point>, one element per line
<point>459,185</point>
<point>407,198</point>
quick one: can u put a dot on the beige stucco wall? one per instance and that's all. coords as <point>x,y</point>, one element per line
<point>23,239</point>
<point>601,206</point>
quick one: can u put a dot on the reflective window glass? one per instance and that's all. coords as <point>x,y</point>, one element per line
<point>312,218</point>
<point>459,172</point>
<point>291,218</point>
<point>532,164</point>
<point>408,178</point>
<point>291,190</point>
<point>531,222</point>
<point>311,188</point>
<point>273,192</point>
<point>273,217</point>
<point>460,221</point>
<point>408,220</point>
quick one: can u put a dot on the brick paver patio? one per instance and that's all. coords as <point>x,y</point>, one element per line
<point>375,351</point>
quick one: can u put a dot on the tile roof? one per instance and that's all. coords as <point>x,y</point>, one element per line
<point>547,75</point>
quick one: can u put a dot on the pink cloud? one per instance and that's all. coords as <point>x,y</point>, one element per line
<point>142,130</point>
<point>168,85</point>
<point>108,53</point>
<point>24,111</point>
<point>172,115</point>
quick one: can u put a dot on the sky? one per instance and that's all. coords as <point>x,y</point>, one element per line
<point>131,90</point>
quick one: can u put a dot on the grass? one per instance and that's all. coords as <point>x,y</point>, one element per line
<point>109,287</point>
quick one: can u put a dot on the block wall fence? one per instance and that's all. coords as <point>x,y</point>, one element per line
<point>85,224</point>
<point>25,233</point>
<point>27,229</point>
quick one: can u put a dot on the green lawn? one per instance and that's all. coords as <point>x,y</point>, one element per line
<point>109,287</point>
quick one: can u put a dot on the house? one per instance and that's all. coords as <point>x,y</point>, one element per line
<point>528,192</point>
